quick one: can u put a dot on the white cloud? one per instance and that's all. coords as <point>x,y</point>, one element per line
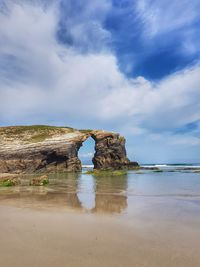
<point>41,78</point>
<point>175,139</point>
<point>169,104</point>
<point>82,24</point>
<point>185,140</point>
<point>161,16</point>
<point>177,19</point>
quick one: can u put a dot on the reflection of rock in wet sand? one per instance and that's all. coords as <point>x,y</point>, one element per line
<point>62,192</point>
<point>109,191</point>
<point>109,196</point>
<point>110,203</point>
<point>73,201</point>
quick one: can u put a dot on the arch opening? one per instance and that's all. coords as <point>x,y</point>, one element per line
<point>86,152</point>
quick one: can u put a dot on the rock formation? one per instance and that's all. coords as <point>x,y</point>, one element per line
<point>54,149</point>
<point>110,151</point>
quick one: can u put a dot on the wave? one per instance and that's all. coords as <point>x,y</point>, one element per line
<point>87,166</point>
<point>177,166</point>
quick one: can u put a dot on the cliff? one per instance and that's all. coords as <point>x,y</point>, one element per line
<point>54,149</point>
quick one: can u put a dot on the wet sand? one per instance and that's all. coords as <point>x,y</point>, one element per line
<point>34,237</point>
<point>140,220</point>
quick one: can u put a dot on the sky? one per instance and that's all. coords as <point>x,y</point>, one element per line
<point>130,66</point>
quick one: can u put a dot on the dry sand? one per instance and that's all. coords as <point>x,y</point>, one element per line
<point>59,238</point>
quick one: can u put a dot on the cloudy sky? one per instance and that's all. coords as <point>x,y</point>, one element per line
<point>131,66</point>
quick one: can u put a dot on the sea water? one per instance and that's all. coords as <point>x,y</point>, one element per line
<point>122,194</point>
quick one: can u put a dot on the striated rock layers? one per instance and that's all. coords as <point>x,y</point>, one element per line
<point>110,151</point>
<point>54,149</point>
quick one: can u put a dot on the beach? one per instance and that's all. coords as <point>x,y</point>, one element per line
<point>56,238</point>
<point>116,226</point>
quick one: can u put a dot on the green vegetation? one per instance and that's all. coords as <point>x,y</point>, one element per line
<point>85,131</point>
<point>39,138</point>
<point>45,182</point>
<point>107,172</point>
<point>8,182</point>
<point>17,130</point>
<point>39,181</point>
<point>32,133</point>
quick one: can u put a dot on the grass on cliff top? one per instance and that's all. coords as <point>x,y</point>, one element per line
<point>32,133</point>
<point>85,130</point>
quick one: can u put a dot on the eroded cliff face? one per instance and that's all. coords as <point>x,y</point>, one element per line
<point>110,151</point>
<point>54,149</point>
<point>40,148</point>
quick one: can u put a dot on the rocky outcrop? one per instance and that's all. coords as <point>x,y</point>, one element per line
<point>39,181</point>
<point>7,179</point>
<point>110,151</point>
<point>54,149</point>
<point>40,149</point>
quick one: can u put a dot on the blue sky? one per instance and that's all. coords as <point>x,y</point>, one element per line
<point>129,66</point>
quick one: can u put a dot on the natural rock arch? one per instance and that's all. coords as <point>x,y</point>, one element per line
<point>59,151</point>
<point>110,151</point>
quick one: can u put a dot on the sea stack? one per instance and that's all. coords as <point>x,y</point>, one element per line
<point>110,151</point>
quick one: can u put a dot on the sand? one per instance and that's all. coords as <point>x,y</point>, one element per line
<point>53,237</point>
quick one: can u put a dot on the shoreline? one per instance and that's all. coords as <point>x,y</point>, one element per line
<point>58,238</point>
